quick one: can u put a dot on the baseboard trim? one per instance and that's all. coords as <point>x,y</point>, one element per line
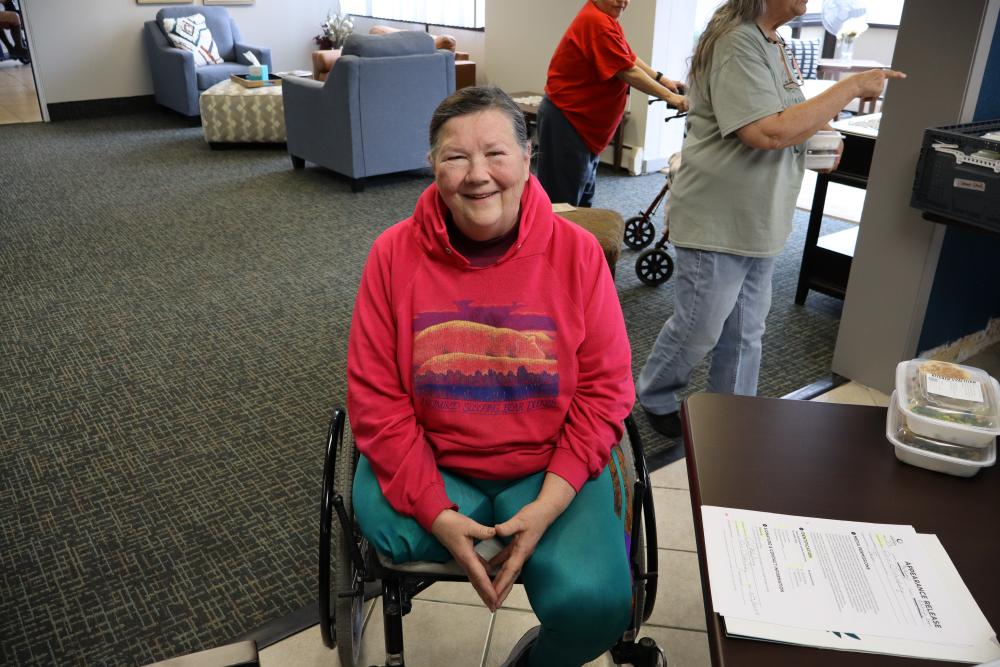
<point>112,106</point>
<point>811,391</point>
<point>284,627</point>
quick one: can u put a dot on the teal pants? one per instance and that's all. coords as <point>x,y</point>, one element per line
<point>577,580</point>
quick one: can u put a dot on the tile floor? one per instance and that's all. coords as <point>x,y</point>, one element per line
<point>449,626</point>
<point>18,100</point>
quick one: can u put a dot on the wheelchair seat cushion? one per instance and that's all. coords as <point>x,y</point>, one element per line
<point>487,549</point>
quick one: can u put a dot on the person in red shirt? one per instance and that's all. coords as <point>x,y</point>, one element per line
<point>585,94</point>
<point>488,377</point>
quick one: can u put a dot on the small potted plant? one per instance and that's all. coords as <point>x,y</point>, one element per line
<point>848,33</point>
<point>335,28</point>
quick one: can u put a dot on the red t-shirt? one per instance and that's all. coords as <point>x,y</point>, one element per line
<point>581,79</point>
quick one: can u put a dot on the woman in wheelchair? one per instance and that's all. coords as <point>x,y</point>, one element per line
<point>488,378</point>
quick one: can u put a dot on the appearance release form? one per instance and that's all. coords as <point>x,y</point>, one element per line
<point>825,574</point>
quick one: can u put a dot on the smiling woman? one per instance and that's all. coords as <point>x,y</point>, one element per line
<point>480,168</point>
<point>488,375</point>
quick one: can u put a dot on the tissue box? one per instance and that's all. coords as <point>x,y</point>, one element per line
<point>258,72</point>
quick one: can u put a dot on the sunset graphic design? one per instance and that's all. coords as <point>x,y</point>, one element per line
<point>491,359</point>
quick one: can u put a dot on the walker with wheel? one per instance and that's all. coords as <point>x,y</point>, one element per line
<point>654,266</point>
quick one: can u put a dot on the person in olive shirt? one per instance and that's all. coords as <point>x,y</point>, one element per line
<point>733,198</point>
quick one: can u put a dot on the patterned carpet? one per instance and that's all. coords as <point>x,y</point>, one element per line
<point>173,339</point>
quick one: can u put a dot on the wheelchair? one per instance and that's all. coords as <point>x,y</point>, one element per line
<point>351,573</point>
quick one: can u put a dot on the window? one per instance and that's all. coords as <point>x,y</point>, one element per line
<point>452,13</point>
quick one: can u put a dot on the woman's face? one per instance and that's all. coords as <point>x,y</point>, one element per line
<point>786,10</point>
<point>612,8</point>
<point>480,170</point>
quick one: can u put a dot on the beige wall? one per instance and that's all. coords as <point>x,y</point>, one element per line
<point>897,250</point>
<point>93,50</point>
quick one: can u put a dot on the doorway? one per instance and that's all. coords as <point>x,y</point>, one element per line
<point>18,95</point>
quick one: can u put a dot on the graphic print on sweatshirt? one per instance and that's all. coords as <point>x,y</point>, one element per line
<point>485,359</point>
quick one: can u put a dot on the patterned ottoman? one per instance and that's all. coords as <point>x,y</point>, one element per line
<point>231,113</point>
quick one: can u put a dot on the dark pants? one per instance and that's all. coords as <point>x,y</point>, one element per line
<point>566,167</point>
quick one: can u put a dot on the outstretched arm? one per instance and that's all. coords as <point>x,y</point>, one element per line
<point>640,79</point>
<point>800,121</point>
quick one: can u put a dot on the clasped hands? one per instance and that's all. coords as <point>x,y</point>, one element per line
<point>458,533</point>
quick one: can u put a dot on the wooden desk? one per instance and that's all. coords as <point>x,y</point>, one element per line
<point>830,461</point>
<point>530,112</point>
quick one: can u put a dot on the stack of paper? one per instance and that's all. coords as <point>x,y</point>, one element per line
<point>846,585</point>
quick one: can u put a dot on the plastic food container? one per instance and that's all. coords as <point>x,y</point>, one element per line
<point>934,454</point>
<point>949,402</point>
<point>821,149</point>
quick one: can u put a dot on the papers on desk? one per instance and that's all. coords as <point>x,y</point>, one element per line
<point>841,584</point>
<point>863,126</point>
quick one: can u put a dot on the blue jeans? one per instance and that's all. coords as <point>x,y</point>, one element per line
<point>720,304</point>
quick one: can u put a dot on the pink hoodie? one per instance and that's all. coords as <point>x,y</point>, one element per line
<point>495,372</point>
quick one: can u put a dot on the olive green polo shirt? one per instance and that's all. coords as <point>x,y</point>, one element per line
<point>726,196</point>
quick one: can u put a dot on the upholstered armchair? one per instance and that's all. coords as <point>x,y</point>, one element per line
<point>177,82</point>
<point>371,115</point>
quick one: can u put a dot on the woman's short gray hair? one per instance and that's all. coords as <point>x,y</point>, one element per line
<point>474,99</point>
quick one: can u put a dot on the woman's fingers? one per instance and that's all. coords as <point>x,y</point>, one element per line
<point>510,527</point>
<point>475,570</point>
<point>871,83</point>
<point>503,587</point>
<point>504,581</point>
<point>501,557</point>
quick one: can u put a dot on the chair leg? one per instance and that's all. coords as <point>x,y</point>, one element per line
<point>357,185</point>
<point>392,621</point>
<point>297,162</point>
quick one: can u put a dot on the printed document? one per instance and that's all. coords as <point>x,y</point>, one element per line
<point>823,574</point>
<point>986,647</point>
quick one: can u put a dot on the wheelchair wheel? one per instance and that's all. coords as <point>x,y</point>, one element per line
<point>639,232</point>
<point>341,626</point>
<point>349,614</point>
<point>654,266</point>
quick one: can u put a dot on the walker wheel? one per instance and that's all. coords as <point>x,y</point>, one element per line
<point>639,232</point>
<point>654,266</point>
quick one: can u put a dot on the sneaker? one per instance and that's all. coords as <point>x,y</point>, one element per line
<point>519,654</point>
<point>668,424</point>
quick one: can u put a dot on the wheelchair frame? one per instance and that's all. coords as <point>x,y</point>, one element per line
<point>358,575</point>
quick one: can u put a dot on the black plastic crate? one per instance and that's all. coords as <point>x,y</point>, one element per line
<point>962,192</point>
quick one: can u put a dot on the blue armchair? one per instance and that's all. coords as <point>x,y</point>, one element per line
<point>177,83</point>
<point>371,115</point>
